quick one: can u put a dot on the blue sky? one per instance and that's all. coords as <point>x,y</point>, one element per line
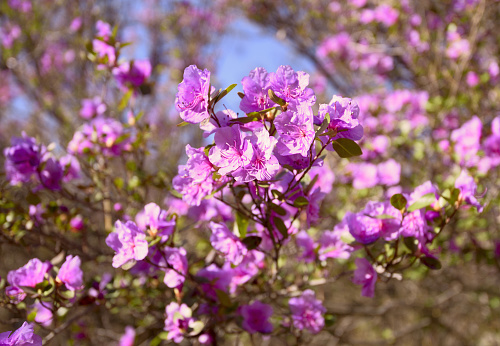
<point>247,46</point>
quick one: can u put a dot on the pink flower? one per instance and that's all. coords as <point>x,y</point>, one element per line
<point>224,241</point>
<point>71,274</point>
<point>307,312</point>
<point>365,275</point>
<point>256,317</point>
<point>128,242</point>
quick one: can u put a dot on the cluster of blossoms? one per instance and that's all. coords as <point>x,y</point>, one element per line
<point>26,160</point>
<point>36,273</point>
<point>470,148</point>
<point>24,336</point>
<point>267,168</point>
<point>101,135</point>
<point>266,157</point>
<point>128,74</point>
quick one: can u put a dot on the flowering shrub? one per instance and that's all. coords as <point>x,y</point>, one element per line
<point>294,196</point>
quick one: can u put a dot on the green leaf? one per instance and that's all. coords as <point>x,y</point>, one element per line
<point>125,99</point>
<point>244,120</point>
<point>280,225</point>
<point>451,195</point>
<point>184,123</point>
<point>398,201</point>
<point>196,327</point>
<point>382,217</point>
<point>411,243</point>
<point>346,147</point>
<point>222,93</point>
<point>242,223</point>
<point>31,316</point>
<point>277,194</point>
<point>324,125</point>
<point>330,320</point>
<point>119,183</point>
<point>422,202</point>
<point>175,193</point>
<point>128,265</point>
<point>300,201</point>
<point>122,138</point>
<point>223,298</point>
<point>275,98</point>
<point>231,87</point>
<point>252,242</point>
<point>431,262</point>
<point>311,184</point>
<point>278,209</point>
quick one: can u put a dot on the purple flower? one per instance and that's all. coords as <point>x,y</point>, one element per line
<point>363,228</point>
<point>24,336</point>
<point>386,15</point>
<point>256,87</point>
<point>192,98</point>
<point>194,181</point>
<point>390,226</point>
<point>263,164</point>
<point>71,167</point>
<point>51,174</point>
<point>154,219</point>
<point>457,48</point>
<point>365,275</point>
<point>101,135</point>
<point>20,5</point>
<point>344,114</point>
<point>178,321</point>
<point>422,190</point>
<point>43,313</point>
<point>15,294</point>
<point>467,141</point>
<point>218,278</point>
<point>22,158</point>
<point>305,242</point>
<point>248,268</point>
<point>415,225</point>
<point>388,172</point>
<point>128,242</point>
<point>472,79</point>
<point>232,150</point>
<point>128,338</point>
<point>76,223</point>
<point>132,74</point>
<point>192,191</point>
<point>177,262</point>
<point>105,52</point>
<point>325,178</point>
<point>92,107</point>
<point>224,117</point>
<point>103,29</point>
<point>8,34</point>
<point>307,312</point>
<point>30,274</point>
<point>468,188</point>
<point>492,143</point>
<point>332,246</point>
<point>227,243</point>
<point>295,130</point>
<point>256,317</point>
<point>291,86</point>
<point>70,273</point>
<point>365,175</point>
